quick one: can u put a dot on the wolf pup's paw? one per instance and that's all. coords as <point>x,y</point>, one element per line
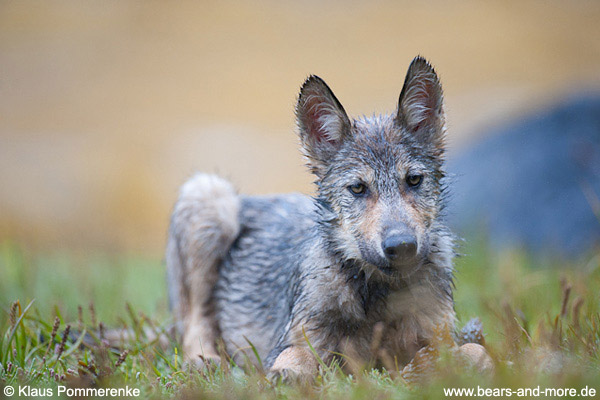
<point>201,362</point>
<point>295,364</point>
<point>476,356</point>
<point>278,375</point>
<point>289,376</point>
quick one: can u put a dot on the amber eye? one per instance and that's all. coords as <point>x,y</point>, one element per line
<point>414,180</point>
<point>358,189</point>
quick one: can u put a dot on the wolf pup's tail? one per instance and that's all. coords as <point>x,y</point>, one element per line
<point>204,224</point>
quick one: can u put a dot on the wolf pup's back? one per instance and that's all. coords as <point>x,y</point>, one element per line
<point>260,274</point>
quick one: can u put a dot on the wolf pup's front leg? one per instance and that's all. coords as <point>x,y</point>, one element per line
<point>203,227</point>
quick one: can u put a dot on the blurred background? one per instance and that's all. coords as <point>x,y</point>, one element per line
<point>107,107</point>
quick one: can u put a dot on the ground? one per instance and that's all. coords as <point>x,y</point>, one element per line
<point>540,316</point>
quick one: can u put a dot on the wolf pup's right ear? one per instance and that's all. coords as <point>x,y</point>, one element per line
<point>421,103</point>
<point>322,122</point>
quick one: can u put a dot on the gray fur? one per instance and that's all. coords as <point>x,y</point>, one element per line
<point>204,224</point>
<point>314,266</point>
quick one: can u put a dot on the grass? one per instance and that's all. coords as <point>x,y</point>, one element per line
<point>541,319</point>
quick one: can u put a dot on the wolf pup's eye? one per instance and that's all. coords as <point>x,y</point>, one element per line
<point>414,180</point>
<point>358,189</point>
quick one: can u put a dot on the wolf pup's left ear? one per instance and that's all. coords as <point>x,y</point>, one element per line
<point>421,103</point>
<point>322,122</point>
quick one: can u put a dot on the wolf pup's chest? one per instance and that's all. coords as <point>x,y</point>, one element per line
<point>362,318</point>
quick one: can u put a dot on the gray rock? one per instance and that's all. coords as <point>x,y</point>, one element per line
<point>531,184</point>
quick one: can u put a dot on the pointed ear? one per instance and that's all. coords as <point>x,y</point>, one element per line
<point>322,122</point>
<point>421,104</point>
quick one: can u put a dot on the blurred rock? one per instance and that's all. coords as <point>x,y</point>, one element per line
<point>533,184</point>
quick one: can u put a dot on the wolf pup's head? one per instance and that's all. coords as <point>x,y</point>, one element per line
<point>379,178</point>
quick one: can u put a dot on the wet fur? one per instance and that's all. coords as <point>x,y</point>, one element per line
<point>275,270</point>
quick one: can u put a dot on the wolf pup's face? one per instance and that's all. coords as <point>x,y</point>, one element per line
<point>380,175</point>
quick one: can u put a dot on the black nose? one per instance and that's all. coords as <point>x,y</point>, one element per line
<point>399,246</point>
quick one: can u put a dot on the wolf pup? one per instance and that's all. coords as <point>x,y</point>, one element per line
<point>370,252</point>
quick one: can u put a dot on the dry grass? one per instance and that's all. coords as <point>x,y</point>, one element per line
<point>541,319</point>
